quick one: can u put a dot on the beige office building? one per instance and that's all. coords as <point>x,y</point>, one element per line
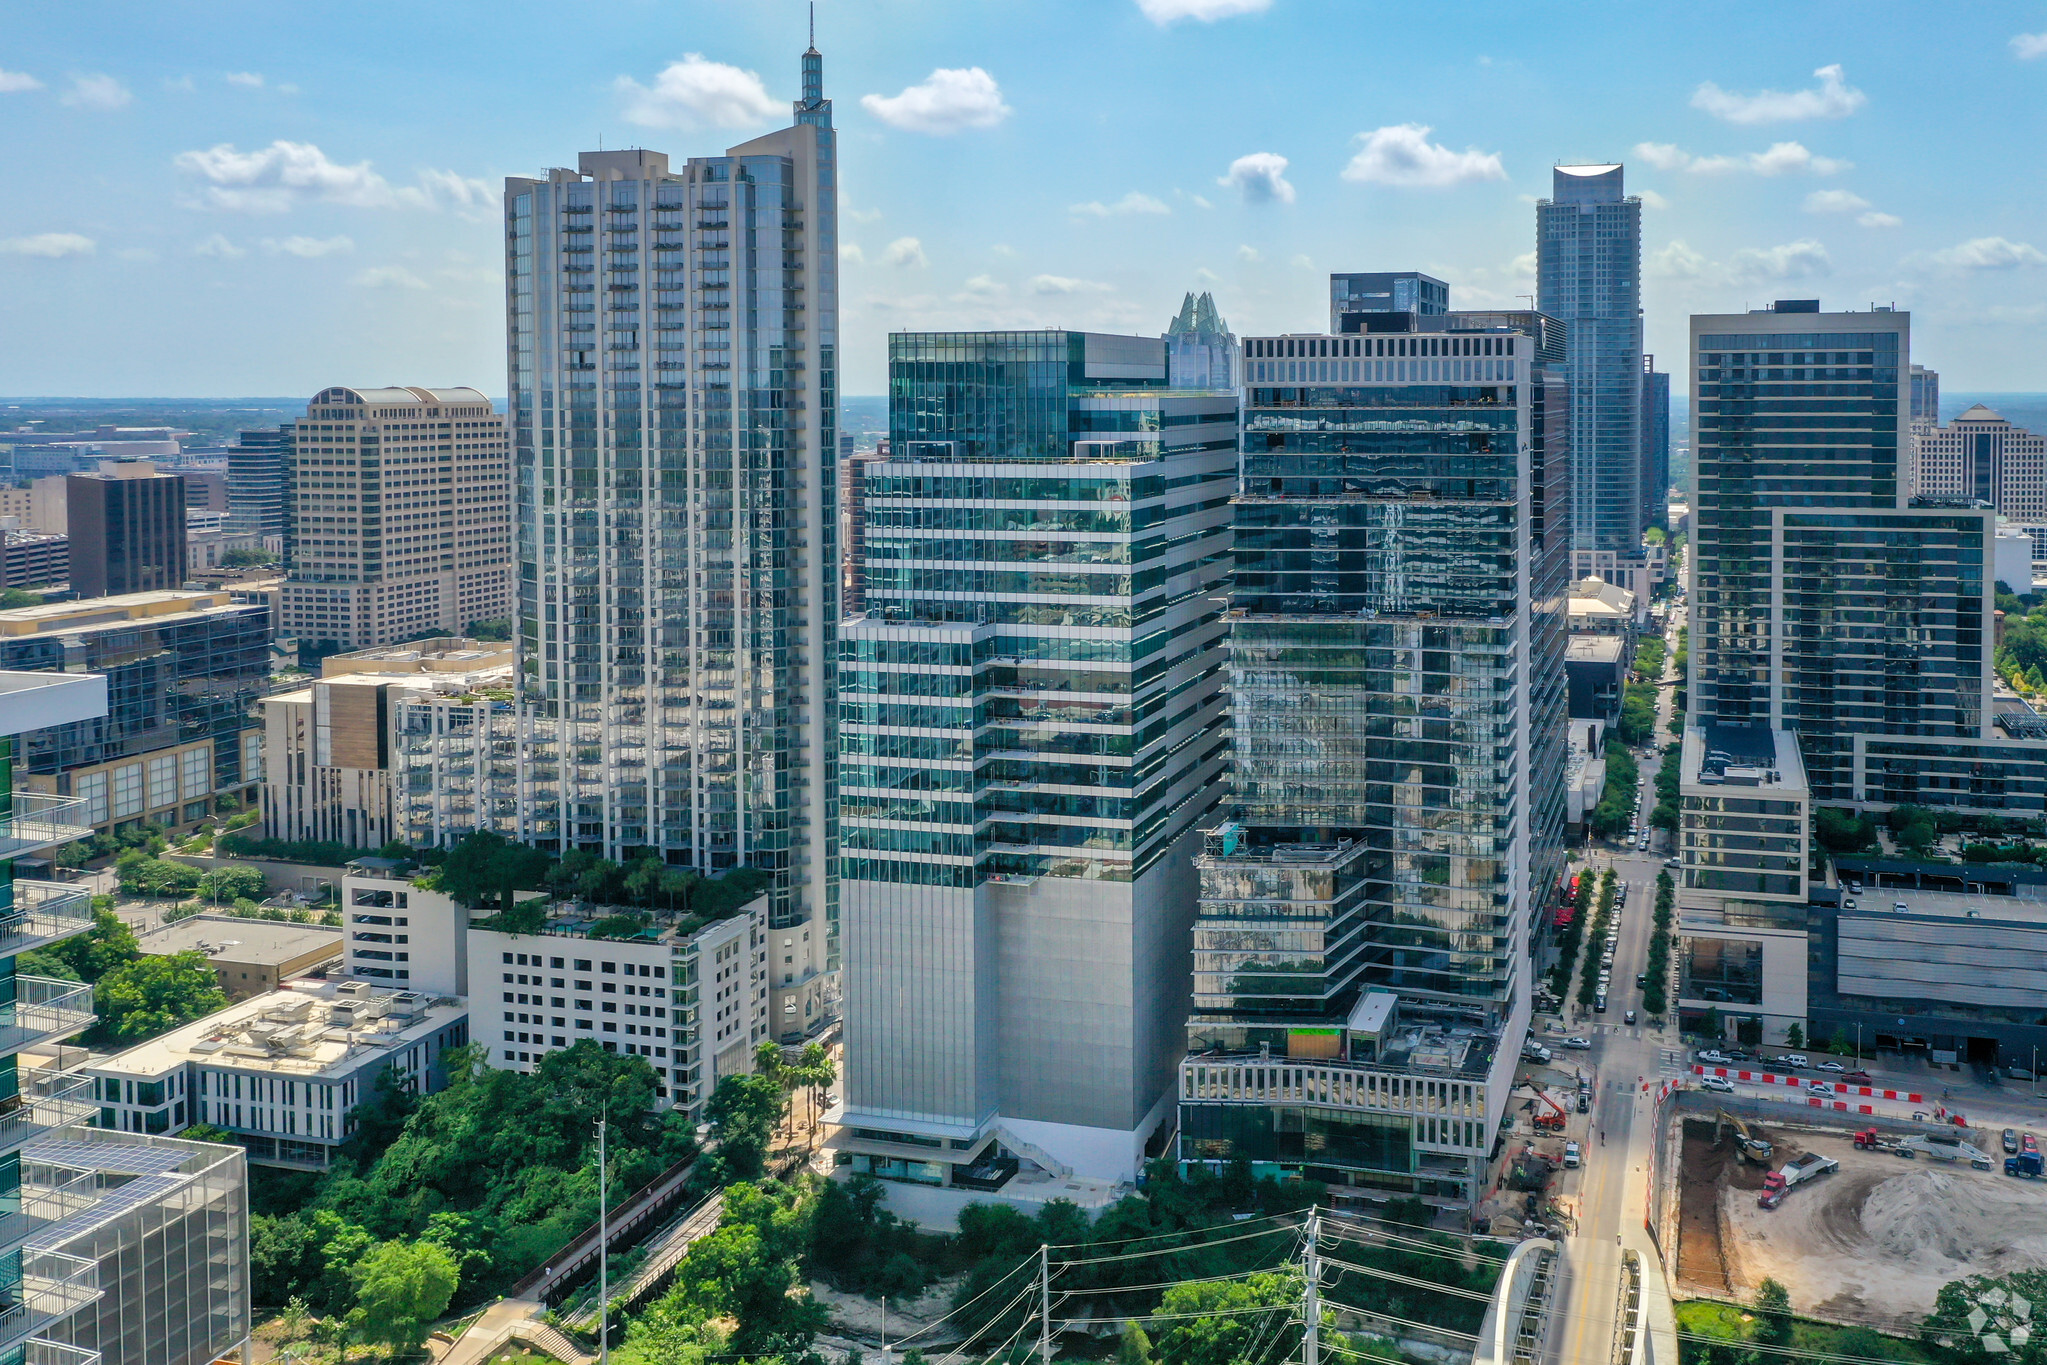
<point>401,515</point>
<point>338,745</point>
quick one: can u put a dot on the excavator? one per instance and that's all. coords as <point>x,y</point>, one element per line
<point>1752,1149</point>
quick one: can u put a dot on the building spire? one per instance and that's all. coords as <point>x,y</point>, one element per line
<point>813,107</point>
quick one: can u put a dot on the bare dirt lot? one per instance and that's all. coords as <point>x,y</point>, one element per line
<point>1873,1242</point>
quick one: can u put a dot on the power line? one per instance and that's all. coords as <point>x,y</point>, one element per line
<point>1234,1311</point>
<point>1142,1255</point>
<point>992,1287</point>
<point>1802,1352</point>
<point>1184,1232</point>
<point>1429,1285</point>
<point>1174,1284</point>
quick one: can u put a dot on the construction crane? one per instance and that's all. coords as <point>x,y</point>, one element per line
<point>1754,1150</point>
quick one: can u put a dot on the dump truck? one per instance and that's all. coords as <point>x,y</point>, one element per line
<point>1870,1140</point>
<point>1777,1183</point>
<point>2026,1165</point>
<point>1941,1147</point>
<point>1752,1149</point>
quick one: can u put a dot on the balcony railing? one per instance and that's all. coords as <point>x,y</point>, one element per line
<point>53,1287</point>
<point>35,820</point>
<point>41,1352</point>
<point>44,1008</point>
<point>47,1101</point>
<point>43,913</point>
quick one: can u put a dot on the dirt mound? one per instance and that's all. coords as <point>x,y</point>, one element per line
<point>1933,1218</point>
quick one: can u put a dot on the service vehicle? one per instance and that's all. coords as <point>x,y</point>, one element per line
<point>1573,1156</point>
<point>1779,1182</point>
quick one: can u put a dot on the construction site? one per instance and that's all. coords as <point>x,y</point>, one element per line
<point>1861,1222</point>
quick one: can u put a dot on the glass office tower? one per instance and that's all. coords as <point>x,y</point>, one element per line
<point>673,350</point>
<point>1396,616</point>
<point>1031,720</point>
<point>1384,291</point>
<point>1588,274</point>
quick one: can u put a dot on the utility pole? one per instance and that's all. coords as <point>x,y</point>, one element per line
<point>1311,1304</point>
<point>1044,1304</point>
<point>603,1250</point>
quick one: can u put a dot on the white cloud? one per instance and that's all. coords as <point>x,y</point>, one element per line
<point>1664,156</point>
<point>102,93</point>
<point>1302,261</point>
<point>985,287</point>
<point>1524,264</point>
<point>849,251</point>
<point>180,85</point>
<point>49,245</point>
<point>1061,284</point>
<point>1132,202</point>
<point>218,246</point>
<point>1207,276</point>
<point>697,93</point>
<point>2027,46</point>
<point>1250,254</point>
<point>1989,253</point>
<point>1791,261</point>
<point>1834,201</point>
<point>1401,154</point>
<point>1199,202</point>
<point>947,101</point>
<point>1782,158</point>
<point>1003,249</point>
<point>1677,262</point>
<point>247,79</point>
<point>389,277</point>
<point>12,82</point>
<point>1260,177</point>
<point>904,251</point>
<point>307,247</point>
<point>271,179</point>
<point>1652,200</point>
<point>1880,220</point>
<point>1834,99</point>
<point>861,215</point>
<point>1164,12</point>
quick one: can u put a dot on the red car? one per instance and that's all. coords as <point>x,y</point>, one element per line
<point>1859,1078</point>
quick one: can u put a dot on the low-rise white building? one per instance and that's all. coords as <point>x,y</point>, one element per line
<point>281,1071</point>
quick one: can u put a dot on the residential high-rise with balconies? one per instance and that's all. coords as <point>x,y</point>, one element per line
<point>119,1247</point>
<point>1362,971</point>
<point>1031,722</point>
<point>400,517</point>
<point>1588,275</point>
<point>673,351</point>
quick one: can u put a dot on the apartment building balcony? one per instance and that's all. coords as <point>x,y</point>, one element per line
<point>34,820</point>
<point>47,1101</point>
<point>43,1010</point>
<point>53,1287</point>
<point>43,913</point>
<point>47,1194</point>
<point>41,1352</point>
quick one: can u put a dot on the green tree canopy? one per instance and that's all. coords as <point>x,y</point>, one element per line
<point>153,995</point>
<point>400,1288</point>
<point>1243,1310</point>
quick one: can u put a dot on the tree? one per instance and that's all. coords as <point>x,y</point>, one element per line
<point>1233,1318</point>
<point>742,1112</point>
<point>110,943</point>
<point>400,1288</point>
<point>1773,1313</point>
<point>498,629</point>
<point>1134,1348</point>
<point>1795,1035</point>
<point>230,884</point>
<point>246,557</point>
<point>1948,1335</point>
<point>1711,1025</point>
<point>486,867</point>
<point>153,995</point>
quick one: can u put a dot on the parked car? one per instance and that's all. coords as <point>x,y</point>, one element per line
<point>1573,1156</point>
<point>1818,1088</point>
<point>1714,1057</point>
<point>1719,1083</point>
<point>1670,862</point>
<point>1792,1059</point>
<point>1599,1003</point>
<point>2027,1143</point>
<point>2011,1141</point>
<point>1860,1078</point>
<point>1641,979</point>
<point>1830,1066</point>
<point>1735,1054</point>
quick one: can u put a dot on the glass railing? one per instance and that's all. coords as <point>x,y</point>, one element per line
<point>36,820</point>
<point>44,1008</point>
<point>43,912</point>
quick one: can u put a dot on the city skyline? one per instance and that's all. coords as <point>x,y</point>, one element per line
<point>228,163</point>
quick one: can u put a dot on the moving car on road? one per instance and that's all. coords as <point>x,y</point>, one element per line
<point>1859,1078</point>
<point>1830,1066</point>
<point>1628,1018</point>
<point>1791,1059</point>
<point>1582,1043</point>
<point>1818,1088</point>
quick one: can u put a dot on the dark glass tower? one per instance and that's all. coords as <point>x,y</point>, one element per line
<point>1396,678</point>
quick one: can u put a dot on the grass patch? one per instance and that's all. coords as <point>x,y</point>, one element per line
<point>1729,1322</point>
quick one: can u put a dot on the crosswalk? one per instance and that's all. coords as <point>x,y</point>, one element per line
<point>1672,1062</point>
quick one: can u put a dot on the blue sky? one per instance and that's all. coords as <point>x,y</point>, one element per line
<point>239,198</point>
